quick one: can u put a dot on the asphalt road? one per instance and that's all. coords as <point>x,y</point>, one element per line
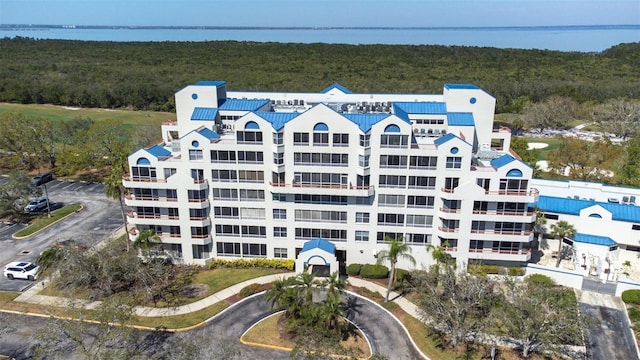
<point>225,329</point>
<point>100,218</point>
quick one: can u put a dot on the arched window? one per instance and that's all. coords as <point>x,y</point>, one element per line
<point>594,215</point>
<point>514,173</point>
<point>392,128</point>
<point>321,134</point>
<point>321,127</point>
<point>251,125</point>
<point>250,135</point>
<point>143,161</point>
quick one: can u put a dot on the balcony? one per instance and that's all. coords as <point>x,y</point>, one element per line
<point>503,235</point>
<point>502,255</point>
<point>201,239</point>
<point>152,219</point>
<point>448,229</point>
<point>525,216</point>
<point>133,200</point>
<point>320,189</point>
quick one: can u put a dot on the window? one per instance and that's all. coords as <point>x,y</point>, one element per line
<point>419,220</point>
<point>365,140</point>
<point>173,213</point>
<point>278,158</point>
<point>228,249</point>
<point>340,139</point>
<point>320,199</point>
<point>513,185</point>
<point>249,137</point>
<point>250,157</point>
<point>363,161</point>
<point>362,236</point>
<point>301,139</point>
<point>227,230</point>
<point>323,159</point>
<point>484,183</point>
<point>279,214</point>
<point>222,212</point>
<point>394,141</point>
<point>392,181</point>
<point>414,201</point>
<point>198,214</point>
<point>251,176</point>
<point>252,213</point>
<point>223,156</point>
<point>196,195</point>
<point>254,231</point>
<point>320,139</point>
<point>280,253</point>
<point>168,172</point>
<point>195,155</point>
<point>391,200</point>
<point>422,182</point>
<point>251,195</point>
<point>418,239</point>
<point>556,217</point>
<point>225,194</point>
<point>391,219</point>
<point>321,216</point>
<point>172,194</point>
<point>254,250</point>
<point>423,162</point>
<point>393,161</point>
<point>279,231</point>
<point>323,179</point>
<point>224,175</point>
<point>143,173</point>
<point>279,197</point>
<point>201,251</point>
<point>362,217</point>
<point>382,237</point>
<point>454,162</point>
<point>635,227</point>
<point>199,232</point>
<point>451,183</point>
<point>329,234</point>
<point>278,138</point>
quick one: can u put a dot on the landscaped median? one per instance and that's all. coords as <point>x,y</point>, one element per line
<point>42,222</point>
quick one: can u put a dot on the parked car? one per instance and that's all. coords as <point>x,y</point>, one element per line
<point>21,270</point>
<point>41,179</point>
<point>36,204</point>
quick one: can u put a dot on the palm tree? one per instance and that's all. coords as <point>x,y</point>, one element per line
<point>334,284</point>
<point>145,241</point>
<point>115,190</point>
<point>397,250</point>
<point>561,230</point>
<point>539,226</point>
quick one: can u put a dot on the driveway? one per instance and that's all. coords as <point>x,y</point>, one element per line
<point>384,333</point>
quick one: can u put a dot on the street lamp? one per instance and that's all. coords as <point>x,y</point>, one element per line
<point>46,193</point>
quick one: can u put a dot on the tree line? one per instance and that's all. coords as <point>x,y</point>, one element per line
<point>145,75</point>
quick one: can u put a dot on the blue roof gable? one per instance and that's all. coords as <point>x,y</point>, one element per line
<point>158,151</point>
<point>319,243</point>
<point>461,86</point>
<point>210,83</point>
<point>594,239</point>
<point>277,119</point>
<point>244,104</point>
<point>208,133</point>
<point>366,121</point>
<point>502,161</point>
<point>620,212</point>
<point>204,113</point>
<point>425,107</point>
<point>443,139</point>
<point>336,86</point>
<point>460,119</point>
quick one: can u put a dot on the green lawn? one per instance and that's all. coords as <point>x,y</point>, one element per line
<point>43,221</point>
<point>58,113</point>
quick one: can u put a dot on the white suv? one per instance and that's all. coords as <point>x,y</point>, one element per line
<point>21,270</point>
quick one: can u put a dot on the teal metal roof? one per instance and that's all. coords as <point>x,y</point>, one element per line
<point>204,113</point>
<point>319,243</point>
<point>502,161</point>
<point>425,107</point>
<point>461,86</point>
<point>594,239</point>
<point>620,212</point>
<point>210,83</point>
<point>277,119</point>
<point>244,104</point>
<point>366,121</point>
<point>158,151</point>
<point>336,86</point>
<point>460,119</point>
<point>208,133</point>
<point>443,139</point>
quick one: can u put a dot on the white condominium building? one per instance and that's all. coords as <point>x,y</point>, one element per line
<point>326,177</point>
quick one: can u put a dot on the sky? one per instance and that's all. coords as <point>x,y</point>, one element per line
<point>321,13</point>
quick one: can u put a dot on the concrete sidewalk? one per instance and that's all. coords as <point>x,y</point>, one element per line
<point>32,296</point>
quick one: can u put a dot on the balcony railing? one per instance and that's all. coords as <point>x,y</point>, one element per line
<point>504,212</point>
<point>448,230</point>
<point>498,251</point>
<point>502,232</point>
<point>135,215</point>
<point>142,179</point>
<point>321,186</point>
<point>130,196</point>
<point>450,210</point>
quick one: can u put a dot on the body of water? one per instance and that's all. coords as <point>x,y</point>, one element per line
<point>563,38</point>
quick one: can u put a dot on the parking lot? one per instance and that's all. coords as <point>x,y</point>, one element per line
<point>99,218</point>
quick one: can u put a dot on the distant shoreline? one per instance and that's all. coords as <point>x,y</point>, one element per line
<point>297,28</point>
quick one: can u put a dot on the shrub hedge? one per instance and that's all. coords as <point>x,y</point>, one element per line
<point>354,269</point>
<point>539,279</point>
<point>253,289</point>
<point>287,264</point>
<point>402,275</point>
<point>374,271</point>
<point>631,296</point>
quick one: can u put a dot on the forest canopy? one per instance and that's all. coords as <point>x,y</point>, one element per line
<point>145,75</point>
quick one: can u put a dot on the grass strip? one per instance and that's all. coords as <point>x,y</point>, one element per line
<point>43,221</point>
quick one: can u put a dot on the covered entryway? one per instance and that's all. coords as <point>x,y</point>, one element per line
<point>319,255</point>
